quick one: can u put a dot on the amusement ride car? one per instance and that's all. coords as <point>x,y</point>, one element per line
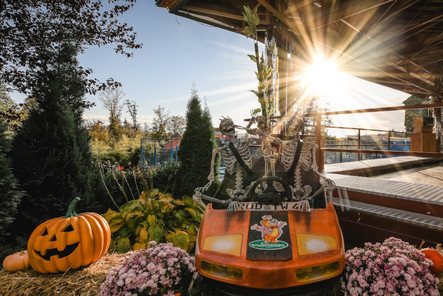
<point>274,233</point>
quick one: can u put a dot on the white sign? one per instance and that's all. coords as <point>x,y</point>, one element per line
<point>284,206</point>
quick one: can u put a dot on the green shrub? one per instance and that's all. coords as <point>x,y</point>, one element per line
<point>154,217</point>
<point>10,194</point>
<point>164,177</point>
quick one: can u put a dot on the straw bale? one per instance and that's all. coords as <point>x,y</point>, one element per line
<point>84,281</point>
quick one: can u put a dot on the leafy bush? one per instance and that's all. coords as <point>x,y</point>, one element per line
<point>128,184</point>
<point>164,177</point>
<point>10,194</point>
<point>122,186</point>
<point>158,270</point>
<point>391,268</point>
<point>154,217</point>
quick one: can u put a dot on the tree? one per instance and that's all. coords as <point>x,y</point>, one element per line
<point>11,113</point>
<point>160,123</point>
<point>10,195</point>
<point>195,151</point>
<point>411,114</point>
<point>177,125</point>
<point>314,107</point>
<point>111,101</point>
<point>51,154</point>
<point>31,29</point>
<point>132,110</point>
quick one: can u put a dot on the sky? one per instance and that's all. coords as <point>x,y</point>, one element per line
<point>178,53</point>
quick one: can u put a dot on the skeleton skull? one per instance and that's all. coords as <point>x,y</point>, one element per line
<point>294,126</point>
<point>227,127</point>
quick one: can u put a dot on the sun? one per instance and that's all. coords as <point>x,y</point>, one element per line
<point>324,79</point>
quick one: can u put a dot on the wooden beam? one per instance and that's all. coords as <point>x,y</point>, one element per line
<point>277,14</point>
<point>346,10</point>
<point>213,12</point>
<point>216,10</point>
<point>380,109</point>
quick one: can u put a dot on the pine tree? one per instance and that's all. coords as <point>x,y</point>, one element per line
<point>196,147</point>
<point>51,153</point>
<point>10,195</point>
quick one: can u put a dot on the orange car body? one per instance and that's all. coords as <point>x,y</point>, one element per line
<point>310,243</point>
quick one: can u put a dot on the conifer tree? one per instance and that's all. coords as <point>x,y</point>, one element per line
<point>51,153</point>
<point>196,147</point>
<point>10,195</point>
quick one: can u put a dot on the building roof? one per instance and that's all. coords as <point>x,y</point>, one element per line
<point>394,43</point>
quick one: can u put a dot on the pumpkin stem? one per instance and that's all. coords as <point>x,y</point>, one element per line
<point>71,208</point>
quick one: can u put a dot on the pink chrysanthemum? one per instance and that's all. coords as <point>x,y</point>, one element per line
<point>160,270</point>
<point>391,268</point>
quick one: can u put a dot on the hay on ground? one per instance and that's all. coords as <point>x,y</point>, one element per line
<point>84,281</point>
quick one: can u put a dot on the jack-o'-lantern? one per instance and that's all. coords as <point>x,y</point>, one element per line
<point>68,242</point>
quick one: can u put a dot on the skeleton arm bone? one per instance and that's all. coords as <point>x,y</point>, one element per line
<point>199,196</point>
<point>214,154</point>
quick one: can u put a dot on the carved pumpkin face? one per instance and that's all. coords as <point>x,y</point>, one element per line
<point>66,243</point>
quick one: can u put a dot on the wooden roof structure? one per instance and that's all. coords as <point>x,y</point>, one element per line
<point>395,43</point>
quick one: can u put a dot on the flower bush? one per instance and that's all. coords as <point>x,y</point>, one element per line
<point>162,270</point>
<point>393,267</point>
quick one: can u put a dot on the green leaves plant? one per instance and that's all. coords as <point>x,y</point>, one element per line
<point>155,216</point>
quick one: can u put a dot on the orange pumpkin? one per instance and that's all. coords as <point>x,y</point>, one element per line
<point>436,258</point>
<point>68,242</point>
<point>17,261</point>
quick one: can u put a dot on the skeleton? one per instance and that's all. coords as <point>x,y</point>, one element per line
<point>233,166</point>
<point>306,161</point>
<point>270,153</point>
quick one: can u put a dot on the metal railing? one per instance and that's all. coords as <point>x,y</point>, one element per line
<point>323,148</point>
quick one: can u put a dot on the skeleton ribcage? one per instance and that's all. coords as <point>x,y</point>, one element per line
<point>230,160</point>
<point>288,155</point>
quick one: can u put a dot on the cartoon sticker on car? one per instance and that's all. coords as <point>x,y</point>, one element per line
<point>271,229</point>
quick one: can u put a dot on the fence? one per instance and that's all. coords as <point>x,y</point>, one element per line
<point>154,152</point>
<point>361,148</point>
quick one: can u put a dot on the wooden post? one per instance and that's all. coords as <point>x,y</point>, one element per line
<point>389,140</point>
<point>320,154</point>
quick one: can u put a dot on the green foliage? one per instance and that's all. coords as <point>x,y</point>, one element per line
<point>13,245</point>
<point>165,176</point>
<point>10,194</point>
<point>124,150</point>
<point>154,217</point>
<point>128,184</point>
<point>314,108</point>
<point>265,92</point>
<point>31,29</point>
<point>195,152</point>
<point>14,114</point>
<point>51,154</point>
<point>253,21</point>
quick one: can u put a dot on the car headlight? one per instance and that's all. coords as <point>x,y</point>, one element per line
<point>221,271</point>
<point>317,272</point>
<point>308,244</point>
<point>229,244</point>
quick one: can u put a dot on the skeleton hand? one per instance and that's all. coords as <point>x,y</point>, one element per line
<point>197,196</point>
<point>302,206</point>
<point>233,206</point>
<point>211,176</point>
<point>204,188</point>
